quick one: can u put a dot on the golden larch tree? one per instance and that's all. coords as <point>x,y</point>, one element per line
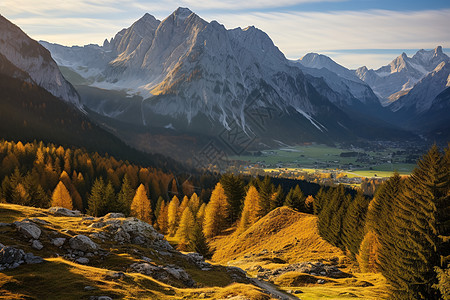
<point>187,222</point>
<point>173,215</point>
<point>182,206</point>
<point>216,213</point>
<point>61,197</point>
<point>141,206</point>
<point>194,203</point>
<point>250,212</point>
<point>162,220</point>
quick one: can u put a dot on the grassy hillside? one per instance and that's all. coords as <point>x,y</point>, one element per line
<point>293,235</point>
<point>62,278</point>
<point>284,238</point>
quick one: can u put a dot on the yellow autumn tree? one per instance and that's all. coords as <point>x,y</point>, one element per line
<point>162,220</point>
<point>184,232</point>
<point>194,203</point>
<point>200,217</point>
<point>173,215</point>
<point>141,206</point>
<point>216,213</point>
<point>250,212</point>
<point>61,197</point>
<point>182,206</point>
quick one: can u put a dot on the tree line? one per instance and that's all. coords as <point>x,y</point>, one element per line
<point>403,232</point>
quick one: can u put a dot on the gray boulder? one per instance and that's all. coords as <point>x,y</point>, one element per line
<point>28,229</point>
<point>113,215</point>
<point>37,245</point>
<point>30,258</point>
<point>58,242</point>
<point>82,260</point>
<point>61,211</point>
<point>11,255</point>
<point>83,243</point>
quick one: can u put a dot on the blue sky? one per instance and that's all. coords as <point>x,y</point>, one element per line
<point>353,32</point>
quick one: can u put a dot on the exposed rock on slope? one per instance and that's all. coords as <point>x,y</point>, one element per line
<point>33,62</point>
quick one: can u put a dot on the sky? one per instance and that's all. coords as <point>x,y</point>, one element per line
<point>352,32</point>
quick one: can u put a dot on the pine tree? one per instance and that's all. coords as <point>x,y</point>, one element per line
<point>266,190</point>
<point>250,212</point>
<point>319,201</point>
<point>140,206</point>
<point>235,193</point>
<point>198,241</point>
<point>295,199</point>
<point>277,199</point>
<point>354,223</point>
<point>173,215</point>
<point>125,197</point>
<point>184,232</point>
<point>413,250</point>
<point>200,217</point>
<point>216,213</point>
<point>96,202</point>
<point>61,197</point>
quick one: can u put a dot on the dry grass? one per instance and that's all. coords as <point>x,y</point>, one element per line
<point>293,235</point>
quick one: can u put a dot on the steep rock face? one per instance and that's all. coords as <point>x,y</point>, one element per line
<point>187,68</point>
<point>33,62</point>
<point>421,97</point>
<point>392,81</point>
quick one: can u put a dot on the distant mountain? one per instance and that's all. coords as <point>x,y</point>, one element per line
<point>352,91</point>
<point>25,59</point>
<point>31,107</point>
<point>188,75</point>
<point>392,81</point>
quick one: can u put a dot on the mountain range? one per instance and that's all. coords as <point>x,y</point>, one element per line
<point>184,78</point>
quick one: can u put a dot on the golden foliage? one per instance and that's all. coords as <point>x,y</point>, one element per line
<point>216,213</point>
<point>141,207</point>
<point>250,212</point>
<point>61,197</point>
<point>173,215</point>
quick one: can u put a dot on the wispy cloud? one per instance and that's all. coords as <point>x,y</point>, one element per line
<point>294,32</point>
<point>298,33</point>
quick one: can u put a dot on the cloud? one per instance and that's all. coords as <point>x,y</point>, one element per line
<point>297,33</point>
<point>294,32</point>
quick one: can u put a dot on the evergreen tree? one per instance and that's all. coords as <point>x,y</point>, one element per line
<point>61,197</point>
<point>140,206</point>
<point>200,217</point>
<point>319,201</point>
<point>266,190</point>
<point>295,199</point>
<point>96,201</point>
<point>173,215</point>
<point>415,246</point>
<point>184,203</point>
<point>354,223</point>
<point>125,197</point>
<point>277,198</point>
<point>216,213</point>
<point>235,193</point>
<point>198,241</point>
<point>250,212</point>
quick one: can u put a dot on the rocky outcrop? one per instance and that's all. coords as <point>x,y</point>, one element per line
<point>199,261</point>
<point>128,230</point>
<point>82,243</point>
<point>61,211</point>
<point>311,268</point>
<point>28,229</point>
<point>11,258</point>
<point>167,274</point>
